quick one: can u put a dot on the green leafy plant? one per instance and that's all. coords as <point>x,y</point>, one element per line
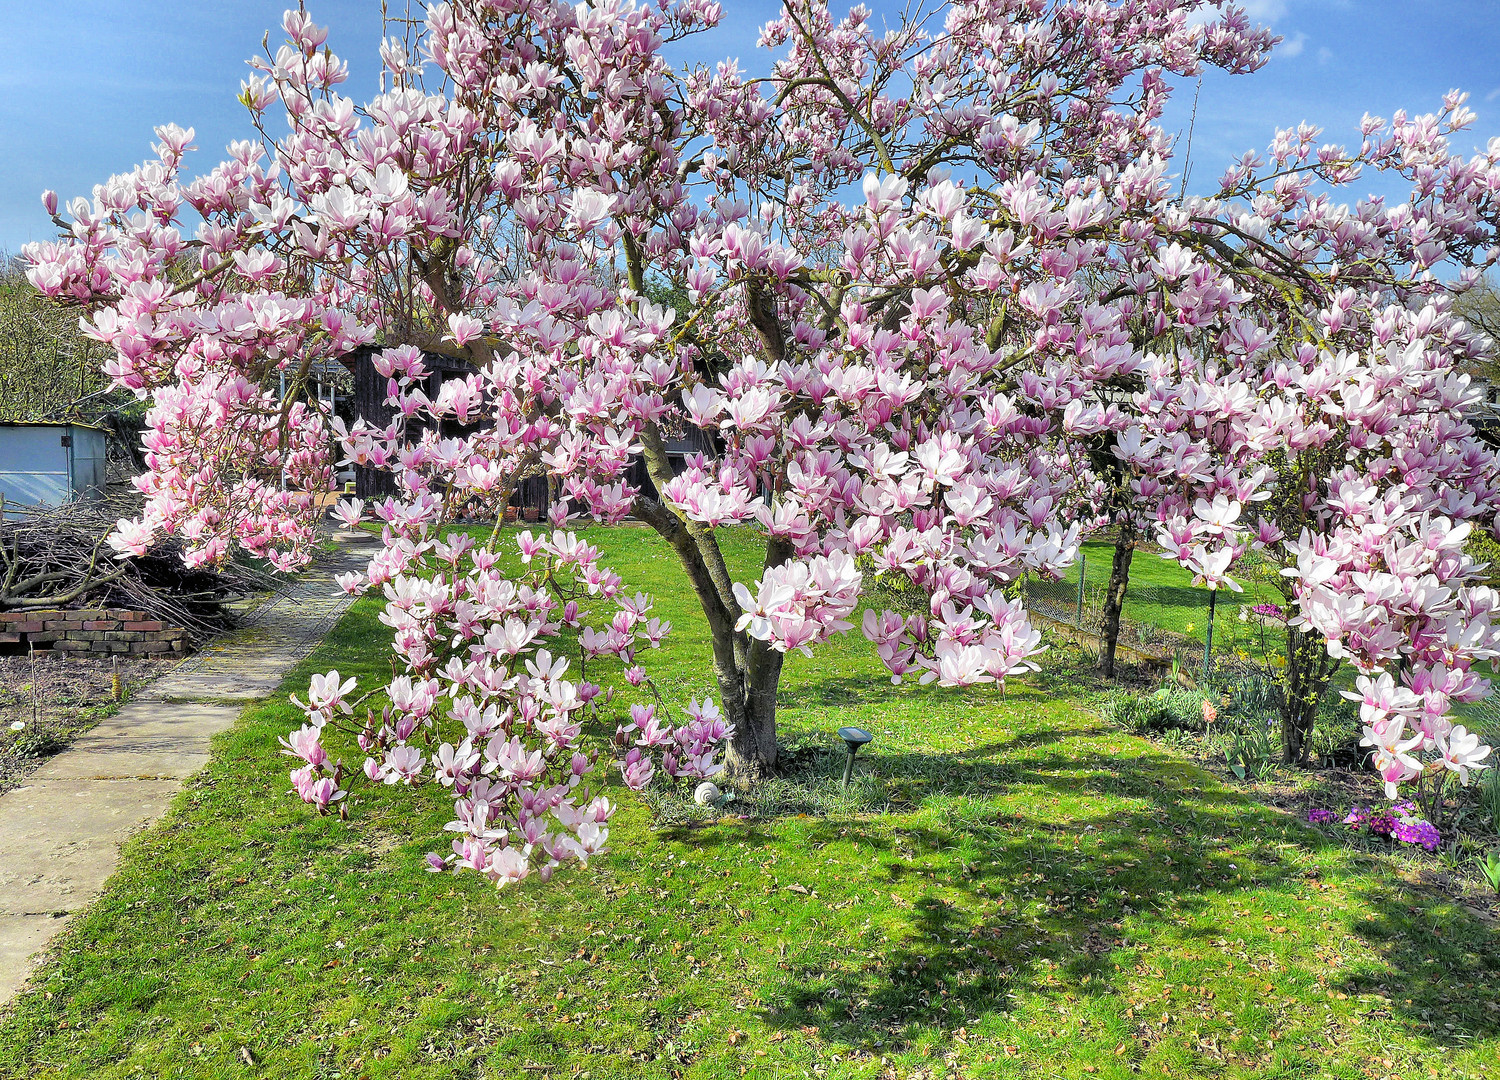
<point>1175,739</point>
<point>1490,868</point>
<point>1166,709</point>
<point>1489,797</point>
<point>1249,750</point>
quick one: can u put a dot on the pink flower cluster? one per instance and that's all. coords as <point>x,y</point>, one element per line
<point>687,751</point>
<point>1410,730</point>
<point>943,314</point>
<point>486,710</point>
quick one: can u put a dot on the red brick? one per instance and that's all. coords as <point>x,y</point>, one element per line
<point>101,624</point>
<point>28,627</point>
<point>149,625</point>
<point>10,639</point>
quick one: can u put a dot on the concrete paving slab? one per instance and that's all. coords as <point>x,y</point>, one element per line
<point>151,720</point>
<point>60,839</point>
<point>246,686</point>
<point>124,764</point>
<point>21,937</point>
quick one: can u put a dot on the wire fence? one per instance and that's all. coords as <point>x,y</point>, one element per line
<point>1483,718</point>
<point>1165,620</point>
<point>1172,621</point>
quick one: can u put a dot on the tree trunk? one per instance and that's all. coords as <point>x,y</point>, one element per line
<point>1114,599</point>
<point>1308,668</point>
<point>748,671</point>
<point>752,752</point>
<point>751,755</point>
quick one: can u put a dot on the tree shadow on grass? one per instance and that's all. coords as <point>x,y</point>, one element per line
<point>1186,597</point>
<point>1012,904</point>
<point>1441,971</point>
<point>835,692</point>
<point>811,781</point>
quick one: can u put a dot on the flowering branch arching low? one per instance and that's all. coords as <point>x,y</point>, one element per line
<point>485,709</point>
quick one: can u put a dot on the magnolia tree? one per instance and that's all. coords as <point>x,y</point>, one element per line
<point>940,313</point>
<point>1330,433</point>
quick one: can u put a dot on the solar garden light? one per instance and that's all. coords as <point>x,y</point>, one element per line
<point>854,738</point>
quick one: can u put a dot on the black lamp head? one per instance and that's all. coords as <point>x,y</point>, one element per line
<point>854,737</point>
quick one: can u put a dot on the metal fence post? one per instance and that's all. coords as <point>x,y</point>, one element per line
<point>1208,642</point>
<point>1083,562</point>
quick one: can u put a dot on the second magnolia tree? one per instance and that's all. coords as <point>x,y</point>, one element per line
<point>932,302</point>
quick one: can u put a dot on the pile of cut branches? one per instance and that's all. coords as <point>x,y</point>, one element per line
<point>58,557</point>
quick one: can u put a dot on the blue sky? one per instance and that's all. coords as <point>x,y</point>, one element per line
<point>87,80</point>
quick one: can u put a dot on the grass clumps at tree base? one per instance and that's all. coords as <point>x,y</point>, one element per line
<point>1041,894</point>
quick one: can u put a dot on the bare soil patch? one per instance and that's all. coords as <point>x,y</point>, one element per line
<point>56,700</point>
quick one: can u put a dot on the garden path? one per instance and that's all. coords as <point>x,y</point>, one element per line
<point>61,831</point>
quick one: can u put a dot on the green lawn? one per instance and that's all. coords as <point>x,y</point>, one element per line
<point>1043,896</point>
<point>1162,593</point>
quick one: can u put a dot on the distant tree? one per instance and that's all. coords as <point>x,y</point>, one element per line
<point>48,368</point>
<point>1481,307</point>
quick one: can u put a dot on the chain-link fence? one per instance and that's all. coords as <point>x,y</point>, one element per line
<point>1483,718</point>
<point>1171,620</point>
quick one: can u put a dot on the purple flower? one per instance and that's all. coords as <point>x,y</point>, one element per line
<point>1417,831</point>
<point>1320,817</point>
<point>1409,828</point>
<point>1378,822</point>
<point>1272,611</point>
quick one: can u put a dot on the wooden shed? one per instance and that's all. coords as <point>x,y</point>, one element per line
<point>368,403</point>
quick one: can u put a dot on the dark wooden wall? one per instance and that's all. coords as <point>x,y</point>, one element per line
<point>368,402</point>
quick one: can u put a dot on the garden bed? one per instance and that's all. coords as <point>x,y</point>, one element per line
<point>1213,729</point>
<point>45,706</point>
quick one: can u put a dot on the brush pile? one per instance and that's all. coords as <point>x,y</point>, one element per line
<point>57,557</point>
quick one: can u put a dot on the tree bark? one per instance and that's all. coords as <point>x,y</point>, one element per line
<point>752,752</point>
<point>748,671</point>
<point>1308,669</point>
<point>1114,599</point>
<point>751,755</point>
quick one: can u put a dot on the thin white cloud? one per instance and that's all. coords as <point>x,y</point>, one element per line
<point>1325,54</point>
<point>1264,11</point>
<point>1261,12</point>
<point>1292,46</point>
<point>1493,94</point>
